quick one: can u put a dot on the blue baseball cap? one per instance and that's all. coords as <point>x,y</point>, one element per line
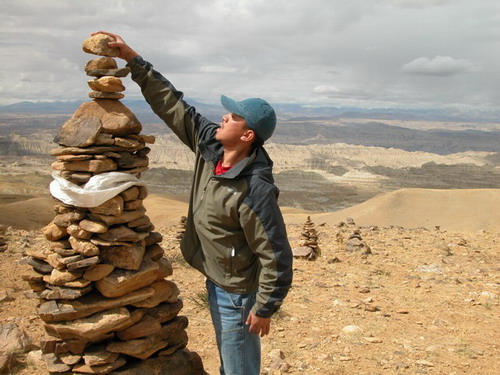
<point>258,114</point>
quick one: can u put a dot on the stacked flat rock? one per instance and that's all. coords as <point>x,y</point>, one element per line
<point>308,247</point>
<point>181,228</point>
<point>106,304</point>
<point>356,243</point>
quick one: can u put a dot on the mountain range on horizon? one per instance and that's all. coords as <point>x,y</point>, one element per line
<point>288,111</point>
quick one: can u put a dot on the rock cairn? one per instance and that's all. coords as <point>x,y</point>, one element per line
<point>308,247</point>
<point>355,243</point>
<point>105,302</point>
<point>181,228</point>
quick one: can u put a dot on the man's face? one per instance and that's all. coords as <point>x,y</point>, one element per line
<point>232,128</point>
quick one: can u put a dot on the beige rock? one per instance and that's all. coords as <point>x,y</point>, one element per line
<point>165,268</point>
<point>65,252</point>
<point>140,348</point>
<point>127,143</point>
<point>73,157</point>
<point>121,282</point>
<point>128,160</point>
<point>176,342</point>
<point>78,132</point>
<point>132,193</point>
<point>154,251</point>
<point>87,305</point>
<point>53,232</point>
<point>96,150</point>
<point>113,206</point>
<point>166,311</point>
<point>125,257</point>
<point>144,138</point>
<point>56,292</point>
<point>133,205</point>
<point>106,95</point>
<point>59,245</point>
<point>51,344</point>
<point>126,217</point>
<point>143,152</point>
<point>79,283</point>
<point>69,358</point>
<point>40,254</point>
<point>182,362</point>
<point>98,45</point>
<point>55,261</point>
<point>106,84</point>
<point>93,226</point>
<point>122,72</point>
<point>54,364</point>
<point>144,347</point>
<point>79,178</point>
<point>115,117</point>
<point>100,369</point>
<point>165,291</point>
<point>119,233</point>
<point>83,247</point>
<point>143,192</point>
<point>92,327</point>
<point>100,243</point>
<point>76,231</point>
<point>106,139</point>
<point>98,272</point>
<point>302,251</point>
<point>70,259</point>
<point>58,277</point>
<point>101,63</point>
<point>139,222</point>
<point>95,166</point>
<point>66,219</point>
<point>83,263</point>
<point>97,355</point>
<point>13,339</point>
<point>153,237</point>
<point>145,327</point>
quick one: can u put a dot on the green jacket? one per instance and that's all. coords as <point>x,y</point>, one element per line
<point>235,233</point>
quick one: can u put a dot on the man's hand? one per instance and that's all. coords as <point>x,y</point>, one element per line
<point>258,325</point>
<point>126,53</point>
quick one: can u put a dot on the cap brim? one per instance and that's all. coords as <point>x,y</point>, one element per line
<point>232,106</point>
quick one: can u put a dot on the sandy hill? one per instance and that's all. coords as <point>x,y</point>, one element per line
<point>456,210</point>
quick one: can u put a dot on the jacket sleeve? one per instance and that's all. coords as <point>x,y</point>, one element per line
<point>168,104</point>
<point>265,231</point>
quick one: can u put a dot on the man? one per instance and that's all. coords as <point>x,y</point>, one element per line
<point>235,233</point>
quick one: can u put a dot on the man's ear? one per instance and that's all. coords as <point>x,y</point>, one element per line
<point>249,136</point>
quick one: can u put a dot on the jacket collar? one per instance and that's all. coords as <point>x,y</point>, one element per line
<point>258,162</point>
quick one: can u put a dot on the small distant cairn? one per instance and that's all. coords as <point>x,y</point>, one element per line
<point>309,247</point>
<point>105,302</point>
<point>355,243</point>
<point>181,228</point>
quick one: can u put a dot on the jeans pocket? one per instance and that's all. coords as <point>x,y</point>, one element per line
<point>237,300</point>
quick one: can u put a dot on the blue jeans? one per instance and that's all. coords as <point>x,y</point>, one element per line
<point>239,350</point>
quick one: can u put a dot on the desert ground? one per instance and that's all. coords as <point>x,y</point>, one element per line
<point>425,300</point>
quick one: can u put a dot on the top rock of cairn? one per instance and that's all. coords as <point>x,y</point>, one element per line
<point>98,45</point>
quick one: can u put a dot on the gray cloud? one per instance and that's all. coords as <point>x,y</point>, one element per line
<point>318,52</point>
<point>443,66</point>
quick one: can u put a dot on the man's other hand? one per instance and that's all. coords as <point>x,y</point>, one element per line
<point>258,325</point>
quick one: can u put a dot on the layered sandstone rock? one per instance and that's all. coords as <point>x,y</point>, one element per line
<point>105,302</point>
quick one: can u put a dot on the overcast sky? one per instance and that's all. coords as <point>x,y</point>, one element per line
<point>363,53</point>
